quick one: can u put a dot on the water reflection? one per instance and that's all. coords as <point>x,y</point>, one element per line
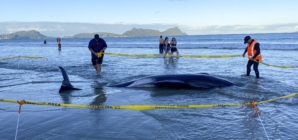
<point>100,98</point>
<point>172,60</point>
<point>65,96</point>
<point>170,64</point>
<point>97,90</point>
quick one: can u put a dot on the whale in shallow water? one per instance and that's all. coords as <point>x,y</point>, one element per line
<point>66,85</point>
<point>187,81</point>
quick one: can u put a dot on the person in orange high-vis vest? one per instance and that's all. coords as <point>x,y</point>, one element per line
<point>59,43</point>
<point>254,55</point>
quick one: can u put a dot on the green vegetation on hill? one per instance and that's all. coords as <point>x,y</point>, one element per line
<point>32,34</point>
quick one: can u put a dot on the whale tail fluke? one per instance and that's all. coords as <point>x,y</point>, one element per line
<point>66,85</point>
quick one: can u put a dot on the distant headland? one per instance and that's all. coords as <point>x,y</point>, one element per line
<point>32,34</point>
<point>134,32</point>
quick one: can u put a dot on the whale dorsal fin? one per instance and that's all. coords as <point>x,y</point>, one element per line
<point>66,85</point>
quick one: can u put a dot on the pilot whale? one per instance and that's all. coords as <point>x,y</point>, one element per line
<point>66,85</point>
<point>184,81</point>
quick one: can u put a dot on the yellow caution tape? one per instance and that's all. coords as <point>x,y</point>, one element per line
<point>182,56</point>
<point>29,57</point>
<point>134,55</point>
<point>147,107</point>
<point>99,54</point>
<point>1,59</point>
<point>286,67</point>
<point>33,57</point>
<point>129,107</point>
<point>208,56</point>
<point>191,56</point>
<point>276,65</point>
<point>279,98</point>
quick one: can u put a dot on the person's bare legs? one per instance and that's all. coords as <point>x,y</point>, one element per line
<point>95,67</point>
<point>98,68</point>
<point>170,53</point>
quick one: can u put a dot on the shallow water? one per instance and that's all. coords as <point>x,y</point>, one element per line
<point>39,80</point>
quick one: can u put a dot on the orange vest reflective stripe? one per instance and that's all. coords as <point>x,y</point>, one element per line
<point>251,51</point>
<point>59,42</point>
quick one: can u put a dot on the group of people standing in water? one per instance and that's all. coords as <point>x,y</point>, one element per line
<point>252,49</point>
<point>97,47</point>
<point>168,48</point>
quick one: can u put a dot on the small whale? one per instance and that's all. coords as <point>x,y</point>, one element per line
<point>66,83</point>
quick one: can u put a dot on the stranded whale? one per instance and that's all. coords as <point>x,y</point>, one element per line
<point>187,81</point>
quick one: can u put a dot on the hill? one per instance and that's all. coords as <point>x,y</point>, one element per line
<point>91,35</point>
<point>141,32</point>
<point>134,32</point>
<point>148,32</point>
<point>32,34</point>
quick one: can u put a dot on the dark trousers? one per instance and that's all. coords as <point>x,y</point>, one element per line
<point>256,65</point>
<point>161,48</point>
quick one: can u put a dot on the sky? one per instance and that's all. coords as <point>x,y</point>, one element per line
<point>117,16</point>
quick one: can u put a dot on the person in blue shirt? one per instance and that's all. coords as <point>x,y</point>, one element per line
<point>97,47</point>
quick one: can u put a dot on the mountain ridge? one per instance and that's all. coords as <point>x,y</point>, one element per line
<point>134,32</point>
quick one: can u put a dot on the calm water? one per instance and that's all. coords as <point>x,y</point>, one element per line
<point>285,41</point>
<point>39,80</point>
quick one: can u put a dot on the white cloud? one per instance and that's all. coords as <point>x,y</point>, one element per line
<point>239,29</point>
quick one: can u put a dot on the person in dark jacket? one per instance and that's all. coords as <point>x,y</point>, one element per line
<point>97,47</point>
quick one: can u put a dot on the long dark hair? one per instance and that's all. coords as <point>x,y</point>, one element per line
<point>173,38</point>
<point>165,40</point>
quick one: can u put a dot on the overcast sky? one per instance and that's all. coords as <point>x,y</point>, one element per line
<point>117,16</point>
